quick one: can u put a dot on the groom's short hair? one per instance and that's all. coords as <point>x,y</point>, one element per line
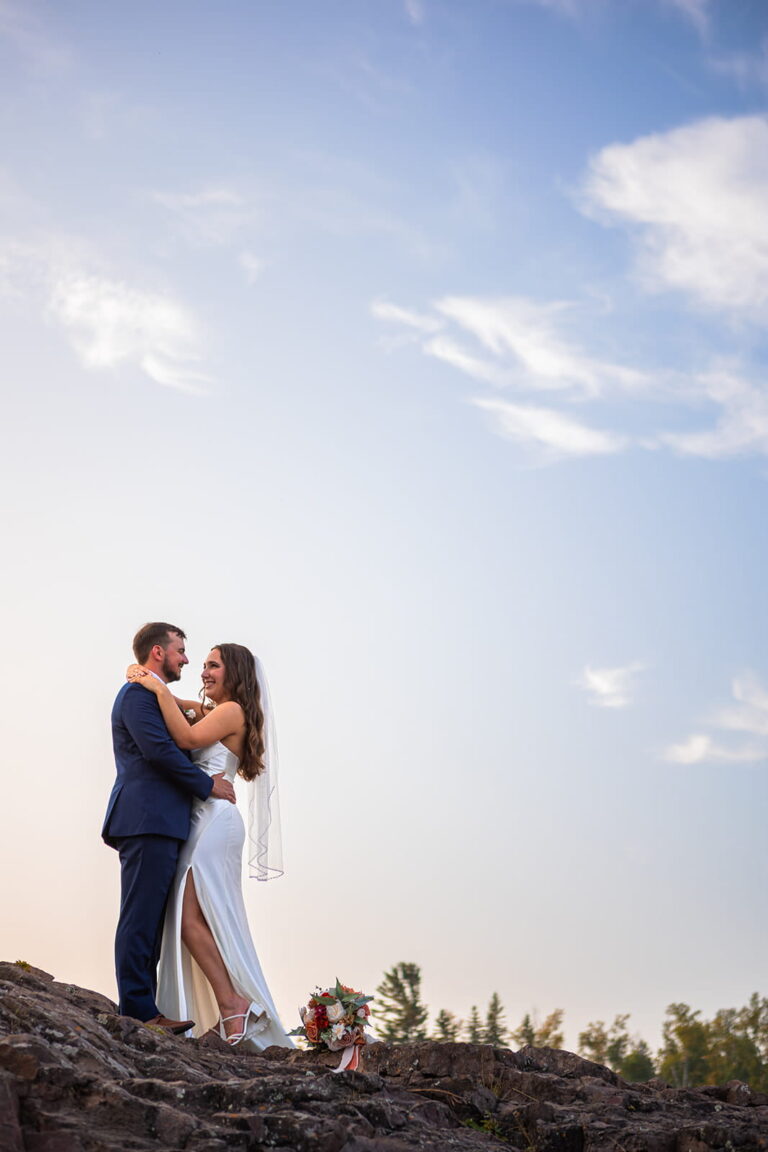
<point>151,634</point>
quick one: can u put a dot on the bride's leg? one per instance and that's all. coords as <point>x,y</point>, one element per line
<point>198,938</point>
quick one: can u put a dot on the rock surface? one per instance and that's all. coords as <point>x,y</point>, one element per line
<point>76,1077</point>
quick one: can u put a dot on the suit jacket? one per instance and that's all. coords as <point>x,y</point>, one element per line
<point>156,781</point>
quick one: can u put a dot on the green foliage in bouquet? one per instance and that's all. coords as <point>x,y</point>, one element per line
<point>334,1017</point>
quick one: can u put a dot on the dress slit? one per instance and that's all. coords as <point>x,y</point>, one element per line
<point>213,854</point>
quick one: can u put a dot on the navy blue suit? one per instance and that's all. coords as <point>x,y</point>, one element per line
<point>147,819</point>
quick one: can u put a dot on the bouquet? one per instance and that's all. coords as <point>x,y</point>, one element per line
<point>336,1018</point>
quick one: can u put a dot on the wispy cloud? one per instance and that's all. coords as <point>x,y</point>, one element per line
<point>414,10</point>
<point>700,748</point>
<point>252,266</point>
<point>697,11</point>
<point>556,435</point>
<point>517,347</point>
<point>107,320</point>
<point>514,345</point>
<point>526,331</point>
<point>610,687</point>
<point>564,7</point>
<point>384,310</point>
<point>747,714</point>
<point>25,32</point>
<point>210,216</point>
<point>448,350</point>
<point>110,323</point>
<point>697,196</point>
<point>748,69</point>
<point>741,425</point>
<point>521,335</point>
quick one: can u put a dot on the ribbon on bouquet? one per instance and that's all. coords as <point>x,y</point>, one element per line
<point>350,1059</point>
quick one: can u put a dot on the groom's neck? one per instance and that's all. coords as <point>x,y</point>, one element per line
<point>156,670</point>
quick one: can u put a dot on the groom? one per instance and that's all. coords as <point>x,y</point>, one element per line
<point>148,818</point>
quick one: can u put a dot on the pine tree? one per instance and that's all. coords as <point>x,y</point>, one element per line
<point>545,1035</point>
<point>495,1032</point>
<point>447,1027</point>
<point>400,1014</point>
<point>474,1026</point>
<point>637,1066</point>
<point>526,1033</point>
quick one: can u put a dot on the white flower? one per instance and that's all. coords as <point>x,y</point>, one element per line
<point>335,1011</point>
<point>361,1013</point>
<point>337,1031</point>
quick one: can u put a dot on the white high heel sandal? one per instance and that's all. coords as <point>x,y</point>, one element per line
<point>235,1037</point>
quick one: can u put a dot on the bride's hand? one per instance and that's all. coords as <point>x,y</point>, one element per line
<point>138,674</point>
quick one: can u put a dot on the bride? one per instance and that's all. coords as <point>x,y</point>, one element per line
<point>209,971</point>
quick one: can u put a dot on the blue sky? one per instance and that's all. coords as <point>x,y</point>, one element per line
<point>419,346</point>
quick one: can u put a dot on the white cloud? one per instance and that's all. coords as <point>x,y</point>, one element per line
<point>109,323</point>
<point>556,435</point>
<point>516,344</point>
<point>522,350</point>
<point>383,310</point>
<point>742,425</point>
<point>699,196</point>
<point>746,68</point>
<point>526,330</point>
<point>212,216</point>
<point>700,748</point>
<point>749,714</point>
<point>610,687</point>
<point>448,350</point>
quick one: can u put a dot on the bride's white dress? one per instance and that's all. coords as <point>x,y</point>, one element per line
<point>213,852</point>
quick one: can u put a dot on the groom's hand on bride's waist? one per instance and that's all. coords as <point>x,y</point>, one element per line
<point>222,789</point>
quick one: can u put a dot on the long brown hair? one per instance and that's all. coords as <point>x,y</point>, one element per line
<point>241,684</point>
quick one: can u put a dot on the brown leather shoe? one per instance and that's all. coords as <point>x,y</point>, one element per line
<point>174,1026</point>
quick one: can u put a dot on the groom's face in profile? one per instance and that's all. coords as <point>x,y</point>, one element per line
<point>174,658</point>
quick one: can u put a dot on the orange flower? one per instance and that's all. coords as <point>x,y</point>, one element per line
<point>312,1031</point>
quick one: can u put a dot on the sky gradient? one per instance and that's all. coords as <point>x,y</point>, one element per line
<point>419,346</point>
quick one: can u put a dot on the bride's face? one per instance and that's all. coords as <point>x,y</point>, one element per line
<point>213,676</point>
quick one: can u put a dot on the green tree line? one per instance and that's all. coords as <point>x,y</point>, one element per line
<point>733,1045</point>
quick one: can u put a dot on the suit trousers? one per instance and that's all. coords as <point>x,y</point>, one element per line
<point>147,869</point>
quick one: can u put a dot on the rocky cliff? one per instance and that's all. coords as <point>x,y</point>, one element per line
<point>76,1077</point>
